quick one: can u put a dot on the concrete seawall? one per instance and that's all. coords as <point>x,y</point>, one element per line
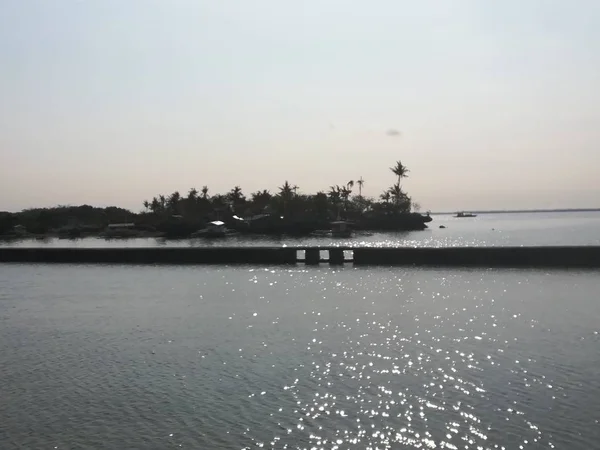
<point>559,257</point>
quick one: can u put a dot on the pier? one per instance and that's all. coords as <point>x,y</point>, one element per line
<point>483,257</point>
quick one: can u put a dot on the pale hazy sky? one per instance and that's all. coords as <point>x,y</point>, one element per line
<point>115,101</point>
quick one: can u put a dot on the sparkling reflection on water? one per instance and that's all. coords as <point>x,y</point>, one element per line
<point>151,357</point>
<point>523,229</point>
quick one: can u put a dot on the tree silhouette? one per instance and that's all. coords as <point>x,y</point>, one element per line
<point>155,205</point>
<point>173,202</point>
<point>236,198</point>
<point>345,192</point>
<point>396,193</point>
<point>193,194</point>
<point>360,182</point>
<point>386,196</point>
<point>287,191</point>
<point>261,200</point>
<point>204,192</point>
<point>400,170</point>
<point>198,207</point>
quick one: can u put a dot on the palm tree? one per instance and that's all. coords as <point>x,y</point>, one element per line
<point>401,200</point>
<point>360,183</point>
<point>258,195</point>
<point>236,198</point>
<point>163,202</point>
<point>173,202</point>
<point>335,197</point>
<point>193,194</point>
<point>286,191</point>
<point>334,194</point>
<point>396,193</point>
<point>155,205</point>
<point>204,192</point>
<point>261,199</point>
<point>345,192</point>
<point>235,195</point>
<point>146,205</point>
<point>400,170</point>
<point>386,196</point>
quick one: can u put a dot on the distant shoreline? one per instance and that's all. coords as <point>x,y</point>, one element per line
<point>522,211</point>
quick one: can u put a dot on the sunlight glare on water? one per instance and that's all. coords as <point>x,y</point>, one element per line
<point>319,358</point>
<point>384,383</point>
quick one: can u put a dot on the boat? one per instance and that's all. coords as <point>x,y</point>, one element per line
<point>120,230</point>
<point>215,228</point>
<point>340,228</point>
<point>464,214</point>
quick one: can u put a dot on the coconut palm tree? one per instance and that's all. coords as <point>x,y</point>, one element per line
<point>173,202</point>
<point>155,205</point>
<point>335,197</point>
<point>396,193</point>
<point>193,194</point>
<point>235,195</point>
<point>400,170</point>
<point>261,199</point>
<point>258,195</point>
<point>287,190</point>
<point>146,204</point>
<point>236,198</point>
<point>386,196</point>
<point>335,194</point>
<point>204,191</point>
<point>401,200</point>
<point>286,194</point>
<point>360,182</point>
<point>345,192</point>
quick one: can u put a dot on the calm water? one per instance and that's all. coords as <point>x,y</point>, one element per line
<point>104,357</point>
<point>573,228</point>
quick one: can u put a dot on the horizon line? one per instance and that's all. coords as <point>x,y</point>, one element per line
<point>515,211</point>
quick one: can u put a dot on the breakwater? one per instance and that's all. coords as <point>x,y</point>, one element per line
<point>560,257</point>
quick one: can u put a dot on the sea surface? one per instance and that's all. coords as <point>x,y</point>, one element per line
<point>168,357</point>
<point>517,229</point>
<point>143,357</point>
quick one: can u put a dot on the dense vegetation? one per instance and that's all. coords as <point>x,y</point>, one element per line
<point>288,201</point>
<point>197,207</point>
<point>43,220</point>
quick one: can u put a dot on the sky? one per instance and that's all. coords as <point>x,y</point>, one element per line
<point>491,105</point>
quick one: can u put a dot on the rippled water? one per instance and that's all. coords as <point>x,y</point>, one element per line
<point>201,357</point>
<point>572,228</point>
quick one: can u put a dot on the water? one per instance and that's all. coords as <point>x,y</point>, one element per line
<point>523,229</point>
<point>102,357</point>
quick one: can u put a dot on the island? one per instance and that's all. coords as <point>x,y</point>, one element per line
<point>288,211</point>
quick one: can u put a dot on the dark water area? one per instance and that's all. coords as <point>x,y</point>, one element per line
<point>103,357</point>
